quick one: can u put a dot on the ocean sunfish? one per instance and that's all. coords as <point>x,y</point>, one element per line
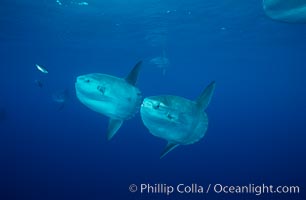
<point>178,120</point>
<point>61,97</point>
<point>291,11</point>
<point>116,98</point>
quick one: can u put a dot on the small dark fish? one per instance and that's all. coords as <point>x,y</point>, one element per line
<point>39,83</point>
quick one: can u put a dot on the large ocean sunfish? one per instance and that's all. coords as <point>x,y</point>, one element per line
<point>116,98</point>
<point>178,120</point>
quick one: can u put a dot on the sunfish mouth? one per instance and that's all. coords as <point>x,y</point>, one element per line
<point>146,104</point>
<point>152,104</point>
<point>82,79</point>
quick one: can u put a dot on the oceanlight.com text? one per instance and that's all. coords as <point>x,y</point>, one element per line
<point>256,189</point>
<point>196,188</point>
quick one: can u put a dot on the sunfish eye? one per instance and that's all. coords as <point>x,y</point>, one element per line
<point>156,106</point>
<point>87,80</point>
<point>101,89</point>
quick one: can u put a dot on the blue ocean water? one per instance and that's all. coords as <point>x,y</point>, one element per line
<point>257,116</point>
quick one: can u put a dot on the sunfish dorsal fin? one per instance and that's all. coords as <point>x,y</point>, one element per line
<point>204,99</point>
<point>170,146</point>
<point>113,126</point>
<point>132,77</point>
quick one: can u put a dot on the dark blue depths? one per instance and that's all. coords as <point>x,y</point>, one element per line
<point>257,115</point>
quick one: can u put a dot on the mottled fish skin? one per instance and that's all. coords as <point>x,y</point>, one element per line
<point>108,95</point>
<point>174,119</point>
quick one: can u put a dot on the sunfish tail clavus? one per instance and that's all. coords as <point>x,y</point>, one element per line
<point>178,120</point>
<point>116,98</point>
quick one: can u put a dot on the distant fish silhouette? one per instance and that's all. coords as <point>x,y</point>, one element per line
<point>42,69</point>
<point>290,11</point>
<point>161,62</point>
<point>61,98</point>
<point>66,3</point>
<point>83,3</point>
<point>59,2</point>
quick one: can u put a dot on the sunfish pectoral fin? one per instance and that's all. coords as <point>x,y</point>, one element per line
<point>113,126</point>
<point>204,99</point>
<point>132,77</point>
<point>170,146</point>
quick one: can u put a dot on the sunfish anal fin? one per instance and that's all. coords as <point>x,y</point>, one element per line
<point>204,99</point>
<point>170,146</point>
<point>132,77</point>
<point>113,126</point>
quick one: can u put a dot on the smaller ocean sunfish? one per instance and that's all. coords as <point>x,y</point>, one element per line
<point>161,62</point>
<point>178,120</point>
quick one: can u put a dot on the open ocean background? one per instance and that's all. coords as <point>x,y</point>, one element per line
<point>257,116</point>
